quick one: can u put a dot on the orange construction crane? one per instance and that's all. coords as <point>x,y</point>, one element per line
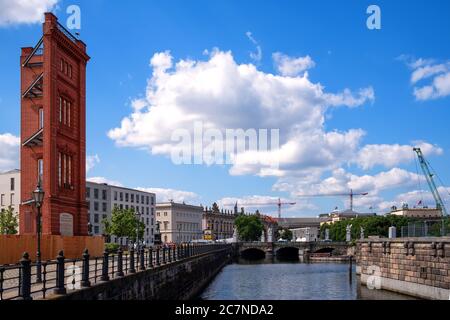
<point>351,195</point>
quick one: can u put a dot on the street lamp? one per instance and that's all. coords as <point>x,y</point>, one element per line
<point>38,198</point>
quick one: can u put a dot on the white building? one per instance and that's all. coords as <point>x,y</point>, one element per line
<point>10,190</point>
<point>102,198</point>
<point>179,222</point>
<point>309,234</point>
<point>423,213</point>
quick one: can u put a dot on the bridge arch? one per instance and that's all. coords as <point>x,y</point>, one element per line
<point>287,253</point>
<point>253,253</point>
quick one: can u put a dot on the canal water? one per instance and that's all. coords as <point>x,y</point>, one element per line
<point>278,280</point>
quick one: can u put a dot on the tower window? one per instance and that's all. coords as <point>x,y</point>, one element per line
<point>64,170</point>
<point>40,169</point>
<point>59,169</point>
<point>12,184</point>
<point>65,107</point>
<point>60,109</point>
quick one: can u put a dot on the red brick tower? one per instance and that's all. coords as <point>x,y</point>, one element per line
<point>53,131</point>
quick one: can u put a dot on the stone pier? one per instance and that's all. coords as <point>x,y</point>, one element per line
<point>419,267</point>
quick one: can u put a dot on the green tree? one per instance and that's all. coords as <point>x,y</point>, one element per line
<point>373,226</point>
<point>249,227</point>
<point>8,221</point>
<point>284,234</point>
<point>124,223</point>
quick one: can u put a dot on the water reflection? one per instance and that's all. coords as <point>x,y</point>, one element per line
<point>272,279</point>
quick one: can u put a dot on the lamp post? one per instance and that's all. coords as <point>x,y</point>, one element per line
<point>38,198</point>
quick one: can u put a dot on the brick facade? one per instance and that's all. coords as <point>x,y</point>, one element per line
<point>62,144</point>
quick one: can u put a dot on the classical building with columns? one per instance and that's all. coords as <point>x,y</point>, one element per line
<point>218,224</point>
<point>179,222</point>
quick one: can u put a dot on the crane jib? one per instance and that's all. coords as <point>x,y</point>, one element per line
<point>432,185</point>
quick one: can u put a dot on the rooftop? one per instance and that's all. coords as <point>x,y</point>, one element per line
<point>176,204</point>
<point>11,171</point>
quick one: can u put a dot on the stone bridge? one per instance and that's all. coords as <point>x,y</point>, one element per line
<point>293,249</point>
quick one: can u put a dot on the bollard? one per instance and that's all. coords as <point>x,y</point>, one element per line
<point>142,259</point>
<point>60,286</point>
<point>85,269</point>
<point>119,272</point>
<point>25,277</point>
<point>175,253</point>
<point>105,276</point>
<point>132,268</point>
<point>169,255</point>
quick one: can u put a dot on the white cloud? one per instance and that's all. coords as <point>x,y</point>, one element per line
<point>347,98</point>
<point>291,66</point>
<point>423,69</point>
<point>216,90</point>
<point>390,155</point>
<point>256,56</point>
<point>412,198</point>
<point>341,181</point>
<point>337,187</point>
<point>9,152</point>
<point>165,195</point>
<point>24,11</point>
<point>105,180</point>
<point>92,161</point>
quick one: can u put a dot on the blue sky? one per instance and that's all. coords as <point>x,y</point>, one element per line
<point>392,116</point>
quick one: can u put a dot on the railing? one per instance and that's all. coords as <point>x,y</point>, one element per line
<point>430,228</point>
<point>37,50</point>
<point>60,276</point>
<point>66,33</point>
